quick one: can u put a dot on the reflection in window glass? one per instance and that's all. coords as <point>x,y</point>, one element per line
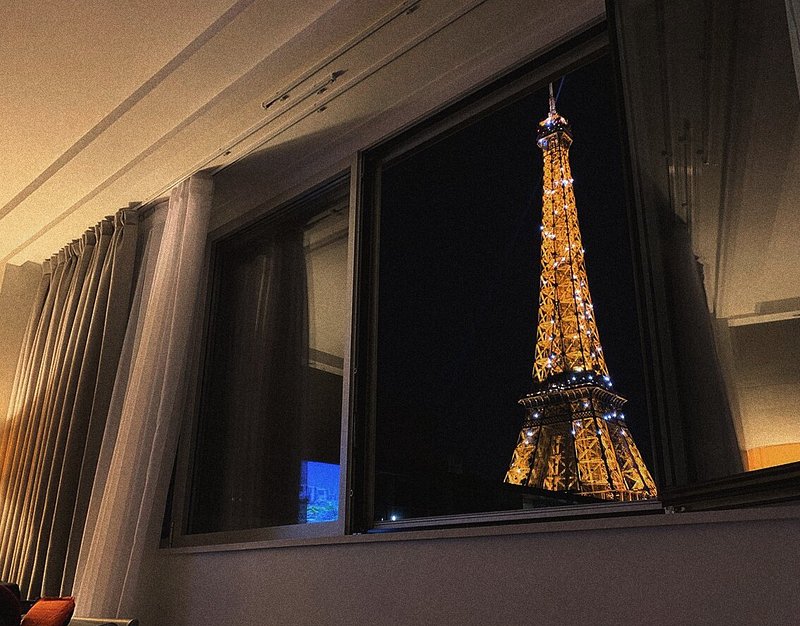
<point>459,292</point>
<point>268,438</point>
<point>728,225</point>
<point>752,278</point>
<point>320,491</point>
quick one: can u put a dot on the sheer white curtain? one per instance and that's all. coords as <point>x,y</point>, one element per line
<point>143,422</point>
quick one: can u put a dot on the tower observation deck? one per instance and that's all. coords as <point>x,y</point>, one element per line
<point>574,438</point>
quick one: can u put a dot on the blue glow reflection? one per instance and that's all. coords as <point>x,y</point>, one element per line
<point>320,491</point>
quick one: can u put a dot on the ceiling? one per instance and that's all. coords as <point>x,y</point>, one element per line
<point>105,104</point>
<point>92,88</point>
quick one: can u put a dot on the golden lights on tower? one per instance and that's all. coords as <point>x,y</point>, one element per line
<point>574,438</point>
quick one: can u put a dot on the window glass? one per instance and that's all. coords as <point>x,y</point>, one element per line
<point>748,255</point>
<point>460,294</point>
<point>717,141</point>
<point>267,444</point>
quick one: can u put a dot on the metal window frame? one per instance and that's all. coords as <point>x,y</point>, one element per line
<point>335,189</point>
<point>773,485</point>
<point>518,83</point>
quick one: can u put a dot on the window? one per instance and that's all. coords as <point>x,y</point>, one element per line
<point>459,306</point>
<point>557,311</point>
<point>714,114</point>
<point>266,447</point>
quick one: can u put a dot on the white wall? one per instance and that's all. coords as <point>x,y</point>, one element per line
<point>706,573</point>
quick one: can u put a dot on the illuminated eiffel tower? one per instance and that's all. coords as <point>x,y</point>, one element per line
<point>574,438</point>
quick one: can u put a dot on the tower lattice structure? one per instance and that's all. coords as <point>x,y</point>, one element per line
<point>574,437</point>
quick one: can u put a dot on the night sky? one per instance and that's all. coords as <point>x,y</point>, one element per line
<point>458,293</point>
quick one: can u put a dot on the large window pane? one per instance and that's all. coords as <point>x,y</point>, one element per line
<point>459,284</point>
<point>716,136</point>
<point>754,290</point>
<point>268,437</point>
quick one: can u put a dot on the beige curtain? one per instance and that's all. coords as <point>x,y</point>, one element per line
<point>127,503</point>
<point>18,289</point>
<point>100,440</point>
<point>65,368</point>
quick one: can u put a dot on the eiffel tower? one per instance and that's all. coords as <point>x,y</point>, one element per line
<point>574,438</point>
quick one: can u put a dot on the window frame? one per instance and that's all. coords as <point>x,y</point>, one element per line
<point>767,486</point>
<point>333,191</point>
<point>774,485</point>
<point>517,83</point>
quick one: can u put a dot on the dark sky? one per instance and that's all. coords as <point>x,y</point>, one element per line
<point>458,292</point>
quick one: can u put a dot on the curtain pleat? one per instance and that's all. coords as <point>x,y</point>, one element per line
<point>93,395</point>
<point>24,364</point>
<point>125,509</point>
<point>72,339</point>
<point>33,402</point>
<point>73,325</point>
<point>105,320</point>
<point>101,437</point>
<point>16,424</point>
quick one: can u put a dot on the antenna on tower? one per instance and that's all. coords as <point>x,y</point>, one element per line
<point>552,102</point>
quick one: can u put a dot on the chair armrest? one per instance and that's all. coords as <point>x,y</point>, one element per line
<point>92,621</point>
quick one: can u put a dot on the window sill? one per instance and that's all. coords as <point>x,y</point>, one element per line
<point>650,517</point>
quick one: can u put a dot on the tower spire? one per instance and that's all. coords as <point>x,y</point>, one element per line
<point>574,438</point>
